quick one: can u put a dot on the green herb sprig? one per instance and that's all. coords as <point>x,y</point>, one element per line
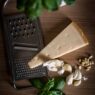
<point>34,8</point>
<point>53,86</point>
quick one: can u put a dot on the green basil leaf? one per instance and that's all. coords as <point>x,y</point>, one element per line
<point>49,85</point>
<point>21,4</point>
<point>52,92</point>
<point>55,93</point>
<point>51,4</point>
<point>59,83</point>
<point>69,2</point>
<point>37,83</point>
<point>34,9</point>
<point>59,2</point>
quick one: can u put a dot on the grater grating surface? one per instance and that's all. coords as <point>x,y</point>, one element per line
<point>24,40</point>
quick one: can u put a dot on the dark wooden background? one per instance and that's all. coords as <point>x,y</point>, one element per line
<point>83,13</point>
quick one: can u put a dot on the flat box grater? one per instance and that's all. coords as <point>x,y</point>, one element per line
<point>23,40</point>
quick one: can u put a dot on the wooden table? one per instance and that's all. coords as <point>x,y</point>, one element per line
<point>83,13</point>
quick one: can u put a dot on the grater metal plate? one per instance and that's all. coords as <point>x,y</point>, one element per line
<point>23,40</point>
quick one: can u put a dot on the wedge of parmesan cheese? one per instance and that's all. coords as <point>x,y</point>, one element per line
<point>70,39</point>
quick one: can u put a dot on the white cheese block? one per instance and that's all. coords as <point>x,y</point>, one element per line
<point>70,39</point>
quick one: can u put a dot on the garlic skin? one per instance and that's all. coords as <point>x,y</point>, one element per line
<point>52,69</point>
<point>69,79</point>
<point>85,78</point>
<point>59,63</point>
<point>50,66</point>
<point>60,72</point>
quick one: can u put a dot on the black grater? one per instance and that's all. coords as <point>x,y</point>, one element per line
<point>23,40</point>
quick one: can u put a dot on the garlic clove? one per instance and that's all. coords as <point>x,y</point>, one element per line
<point>67,67</point>
<point>77,82</point>
<point>69,79</point>
<point>77,75</point>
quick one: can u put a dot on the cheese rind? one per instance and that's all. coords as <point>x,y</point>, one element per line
<point>70,39</point>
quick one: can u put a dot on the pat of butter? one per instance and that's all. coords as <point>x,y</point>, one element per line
<point>70,39</point>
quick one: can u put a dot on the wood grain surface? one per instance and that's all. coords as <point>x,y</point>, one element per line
<point>83,13</point>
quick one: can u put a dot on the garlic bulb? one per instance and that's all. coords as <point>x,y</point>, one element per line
<point>53,65</point>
